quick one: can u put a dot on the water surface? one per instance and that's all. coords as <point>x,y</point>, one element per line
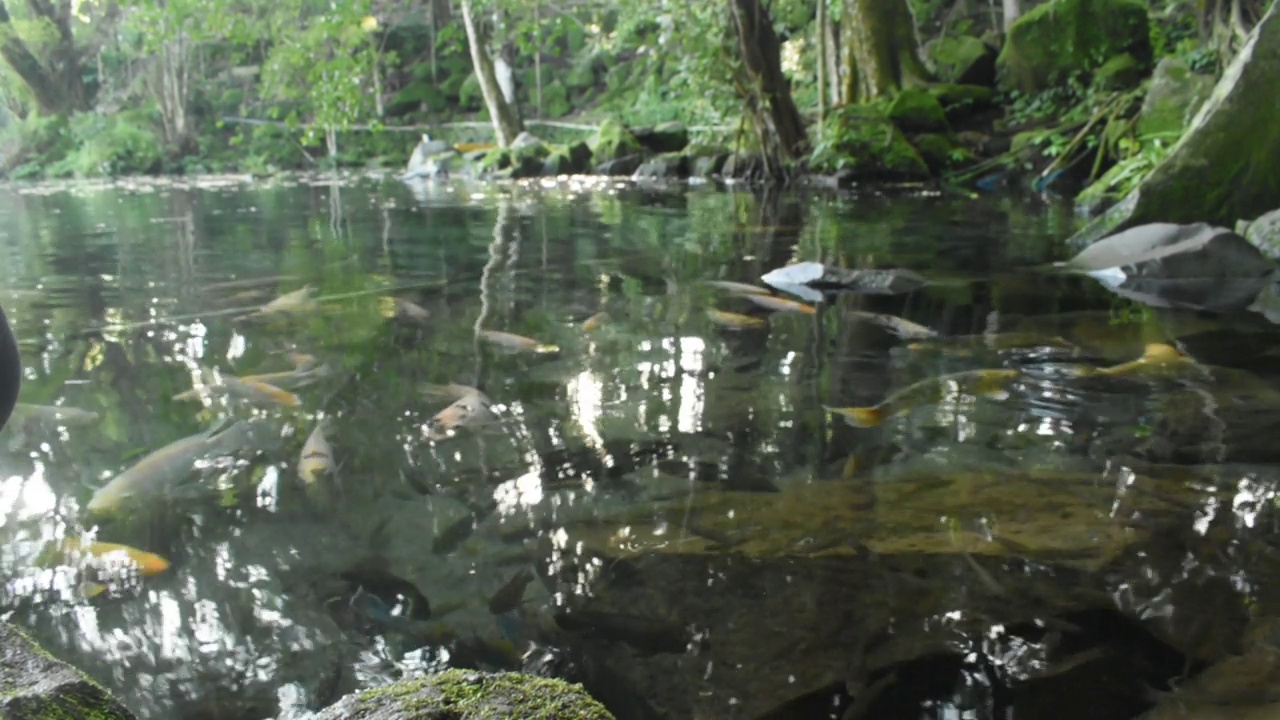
<point>704,539</point>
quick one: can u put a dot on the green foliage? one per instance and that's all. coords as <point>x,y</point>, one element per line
<point>90,145</point>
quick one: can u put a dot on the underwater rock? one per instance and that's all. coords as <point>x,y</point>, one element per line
<point>473,695</point>
<point>1223,168</point>
<point>1065,38</point>
<point>1173,98</point>
<point>35,685</point>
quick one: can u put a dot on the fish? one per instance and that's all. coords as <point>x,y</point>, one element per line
<point>738,288</point>
<point>994,341</point>
<point>316,458</point>
<point>472,147</point>
<point>168,466</point>
<point>291,303</point>
<point>72,550</point>
<point>779,304</point>
<point>517,343</point>
<point>511,595</point>
<point>253,391</point>
<point>395,308</point>
<point>988,383</point>
<point>24,412</point>
<point>468,410</point>
<point>289,379</point>
<point>901,327</point>
<point>594,322</point>
<point>736,321</point>
<point>1157,359</point>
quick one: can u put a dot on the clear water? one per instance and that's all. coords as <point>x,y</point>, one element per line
<point>705,540</point>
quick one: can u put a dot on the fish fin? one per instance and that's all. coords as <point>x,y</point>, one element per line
<point>860,417</point>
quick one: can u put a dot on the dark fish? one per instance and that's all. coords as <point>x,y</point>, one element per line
<point>650,636</point>
<point>511,594</point>
<point>454,535</point>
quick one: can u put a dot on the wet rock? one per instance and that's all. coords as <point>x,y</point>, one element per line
<point>1223,168</point>
<point>33,684</point>
<point>709,164</point>
<point>1241,687</point>
<point>570,160</point>
<point>1264,234</point>
<point>465,694</point>
<point>523,159</point>
<point>1065,38</point>
<point>622,166</point>
<point>887,281</point>
<point>668,165</point>
<point>1174,97</point>
<point>869,146</point>
<point>917,110</point>
<point>668,137</point>
<point>613,141</point>
<point>963,60</point>
<point>1122,72</point>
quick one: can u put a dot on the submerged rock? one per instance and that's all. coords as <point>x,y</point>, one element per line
<point>33,684</point>
<point>1062,38</point>
<point>471,695</point>
<point>1224,168</point>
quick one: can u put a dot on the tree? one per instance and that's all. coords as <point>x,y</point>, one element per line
<point>1012,11</point>
<point>55,81</point>
<point>506,123</point>
<point>767,91</point>
<point>881,51</point>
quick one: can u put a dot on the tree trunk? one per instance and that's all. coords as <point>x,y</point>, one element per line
<point>768,93</point>
<point>58,90</point>
<point>822,61</point>
<point>506,123</point>
<point>881,51</point>
<point>832,60</point>
<point>1012,11</point>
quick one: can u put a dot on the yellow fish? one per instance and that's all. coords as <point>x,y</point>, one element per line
<point>292,303</point>
<point>316,458</point>
<point>736,321</point>
<point>988,383</point>
<point>593,323</point>
<point>72,550</point>
<point>470,409</point>
<point>1157,358</point>
<point>737,287</point>
<point>901,327</point>
<point>517,343</point>
<point>779,304</point>
<point>401,309</point>
<point>254,391</point>
<point>472,147</point>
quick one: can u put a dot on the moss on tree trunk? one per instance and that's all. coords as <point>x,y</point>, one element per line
<point>880,50</point>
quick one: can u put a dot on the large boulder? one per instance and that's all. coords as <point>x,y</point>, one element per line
<point>668,137</point>
<point>1172,100</point>
<point>866,145</point>
<point>1224,168</point>
<point>472,695</point>
<point>1264,234</point>
<point>35,685</point>
<point>918,110</point>
<point>963,60</point>
<point>1062,38</point>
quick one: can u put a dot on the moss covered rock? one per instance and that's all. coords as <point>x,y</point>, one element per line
<point>613,141</point>
<point>461,694</point>
<point>571,159</point>
<point>36,686</point>
<point>1264,234</point>
<point>1122,72</point>
<point>863,141</point>
<point>1173,98</point>
<point>1063,38</point>
<point>963,60</point>
<point>1224,167</point>
<point>524,159</point>
<point>917,110</point>
<point>667,165</point>
<point>938,152</point>
<point>665,138</point>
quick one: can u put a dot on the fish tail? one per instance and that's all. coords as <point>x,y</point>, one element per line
<point>860,417</point>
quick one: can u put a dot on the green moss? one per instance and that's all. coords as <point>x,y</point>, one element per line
<point>478,696</point>
<point>862,139</point>
<point>1065,38</point>
<point>939,152</point>
<point>1122,72</point>
<point>613,141</point>
<point>917,110</point>
<point>964,60</point>
<point>1175,95</point>
<point>35,685</point>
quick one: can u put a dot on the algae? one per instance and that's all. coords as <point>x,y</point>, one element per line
<point>34,685</point>
<point>456,694</point>
<point>1065,38</point>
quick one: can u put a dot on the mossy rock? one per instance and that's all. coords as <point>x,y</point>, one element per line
<point>457,694</point>
<point>672,165</point>
<point>613,141</point>
<point>1264,234</point>
<point>708,162</point>
<point>668,137</point>
<point>1122,72</point>
<point>571,159</point>
<point>963,60</point>
<point>1175,94</point>
<point>1065,38</point>
<point>917,110</point>
<point>36,686</point>
<point>521,160</point>
<point>938,152</point>
<point>863,141</point>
